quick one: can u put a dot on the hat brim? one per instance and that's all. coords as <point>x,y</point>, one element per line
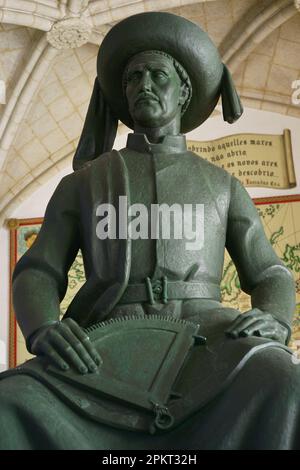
<point>183,40</point>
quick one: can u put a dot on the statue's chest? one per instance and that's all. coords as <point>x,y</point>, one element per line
<point>170,196</point>
<point>166,179</point>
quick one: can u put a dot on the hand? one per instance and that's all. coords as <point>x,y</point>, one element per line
<point>257,323</point>
<point>65,344</point>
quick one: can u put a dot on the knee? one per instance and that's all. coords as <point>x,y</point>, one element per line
<point>278,372</point>
<point>16,391</point>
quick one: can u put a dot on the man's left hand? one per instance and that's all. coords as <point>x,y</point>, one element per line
<point>255,322</point>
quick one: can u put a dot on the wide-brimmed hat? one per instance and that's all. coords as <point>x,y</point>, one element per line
<point>174,35</point>
<point>178,37</point>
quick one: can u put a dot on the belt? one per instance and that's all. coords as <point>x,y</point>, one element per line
<point>162,290</point>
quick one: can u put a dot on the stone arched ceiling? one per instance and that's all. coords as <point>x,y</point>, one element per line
<point>47,59</point>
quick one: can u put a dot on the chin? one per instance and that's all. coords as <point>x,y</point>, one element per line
<point>147,116</point>
<point>148,122</point>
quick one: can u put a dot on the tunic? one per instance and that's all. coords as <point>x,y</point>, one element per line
<point>147,181</point>
<point>239,417</point>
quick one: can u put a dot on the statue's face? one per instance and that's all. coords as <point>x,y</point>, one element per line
<point>154,90</point>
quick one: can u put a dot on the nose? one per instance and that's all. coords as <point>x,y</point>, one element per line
<point>146,81</point>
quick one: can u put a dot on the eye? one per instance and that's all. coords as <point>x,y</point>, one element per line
<point>159,75</point>
<point>134,76</point>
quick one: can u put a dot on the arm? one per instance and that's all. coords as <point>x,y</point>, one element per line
<point>261,272</point>
<point>40,281</point>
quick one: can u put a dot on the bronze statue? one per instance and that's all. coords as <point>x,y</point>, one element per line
<point>151,304</point>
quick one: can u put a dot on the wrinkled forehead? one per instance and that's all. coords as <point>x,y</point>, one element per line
<point>150,59</point>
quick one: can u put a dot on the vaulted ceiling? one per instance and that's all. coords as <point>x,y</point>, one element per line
<point>48,54</point>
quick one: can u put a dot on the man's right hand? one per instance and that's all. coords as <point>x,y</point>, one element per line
<point>65,344</point>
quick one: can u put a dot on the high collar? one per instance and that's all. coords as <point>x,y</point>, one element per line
<point>169,144</point>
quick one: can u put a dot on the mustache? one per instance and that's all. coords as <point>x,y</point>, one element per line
<point>146,95</point>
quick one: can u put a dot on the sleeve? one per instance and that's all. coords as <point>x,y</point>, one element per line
<point>40,278</point>
<point>261,272</point>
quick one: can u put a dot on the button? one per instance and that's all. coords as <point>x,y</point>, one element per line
<point>157,289</point>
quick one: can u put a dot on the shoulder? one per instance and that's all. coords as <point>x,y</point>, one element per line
<point>88,169</point>
<point>216,175</point>
<point>93,165</point>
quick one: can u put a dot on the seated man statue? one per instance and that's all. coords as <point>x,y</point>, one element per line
<point>151,304</point>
